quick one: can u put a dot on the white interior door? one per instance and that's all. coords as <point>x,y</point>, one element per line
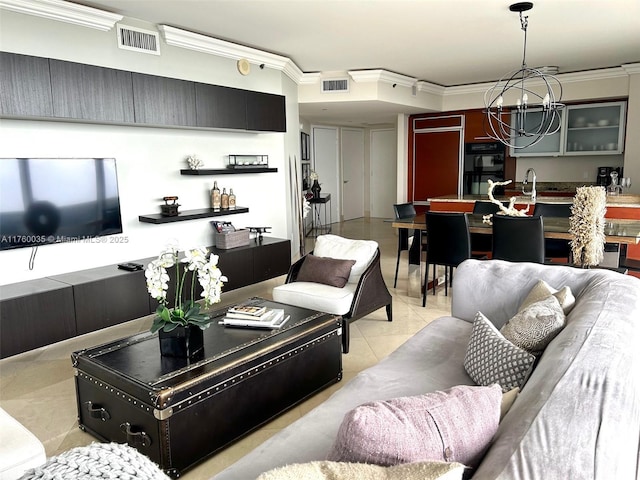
<point>383,172</point>
<point>326,164</point>
<point>352,153</point>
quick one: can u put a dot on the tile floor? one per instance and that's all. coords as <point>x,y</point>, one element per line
<point>37,387</point>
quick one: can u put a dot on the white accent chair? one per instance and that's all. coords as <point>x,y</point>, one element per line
<point>364,292</point>
<point>20,449</point>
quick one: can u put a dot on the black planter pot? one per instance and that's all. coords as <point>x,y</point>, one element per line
<point>181,342</point>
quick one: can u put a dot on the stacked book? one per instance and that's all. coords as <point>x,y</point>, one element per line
<point>255,316</point>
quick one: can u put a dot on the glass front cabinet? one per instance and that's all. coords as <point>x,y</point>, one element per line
<point>594,129</point>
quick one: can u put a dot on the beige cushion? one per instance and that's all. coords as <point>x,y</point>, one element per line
<point>362,251</point>
<point>327,270</point>
<point>535,326</point>
<point>326,470</point>
<point>508,398</point>
<point>20,449</point>
<point>542,290</point>
<point>316,296</point>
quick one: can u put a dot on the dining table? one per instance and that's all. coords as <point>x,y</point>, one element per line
<point>618,231</point>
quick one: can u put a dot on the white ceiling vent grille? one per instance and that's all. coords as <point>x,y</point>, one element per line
<point>131,38</point>
<point>335,85</point>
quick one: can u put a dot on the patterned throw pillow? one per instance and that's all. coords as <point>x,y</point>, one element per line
<point>542,290</point>
<point>491,358</point>
<point>535,326</point>
<point>455,425</point>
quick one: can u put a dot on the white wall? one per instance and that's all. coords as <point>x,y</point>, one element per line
<point>148,159</point>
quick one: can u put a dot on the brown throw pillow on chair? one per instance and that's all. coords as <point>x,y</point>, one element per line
<point>327,270</point>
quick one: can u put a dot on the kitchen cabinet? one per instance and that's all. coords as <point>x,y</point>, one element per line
<point>435,156</point>
<point>25,86</point>
<point>163,101</point>
<point>596,129</point>
<point>220,107</point>
<point>266,112</point>
<point>549,146</point>
<point>86,92</point>
<point>585,129</point>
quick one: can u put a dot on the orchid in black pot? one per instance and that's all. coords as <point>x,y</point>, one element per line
<point>185,310</point>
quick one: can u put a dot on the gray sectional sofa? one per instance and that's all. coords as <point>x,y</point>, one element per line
<point>578,415</point>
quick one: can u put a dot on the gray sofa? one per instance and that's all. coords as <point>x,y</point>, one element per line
<point>577,417</point>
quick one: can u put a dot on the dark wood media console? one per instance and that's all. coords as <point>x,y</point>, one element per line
<point>47,310</point>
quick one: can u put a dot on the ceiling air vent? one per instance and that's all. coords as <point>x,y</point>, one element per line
<point>131,38</point>
<point>335,85</point>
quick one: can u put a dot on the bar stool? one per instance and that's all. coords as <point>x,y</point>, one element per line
<point>448,244</point>
<point>518,239</point>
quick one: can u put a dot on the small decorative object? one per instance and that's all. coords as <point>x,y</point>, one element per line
<point>315,187</point>
<point>259,231</point>
<point>169,209</point>
<point>510,210</point>
<point>175,323</point>
<point>248,161</point>
<point>232,199</point>
<point>194,162</point>
<point>215,196</point>
<point>306,206</point>
<point>586,226</point>
<point>224,199</point>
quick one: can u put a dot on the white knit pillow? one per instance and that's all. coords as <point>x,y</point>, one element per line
<point>536,325</point>
<point>325,470</point>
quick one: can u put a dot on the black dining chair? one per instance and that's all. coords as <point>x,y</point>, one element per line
<point>402,210</point>
<point>555,248</point>
<point>448,244</point>
<point>480,242</point>
<point>518,239</point>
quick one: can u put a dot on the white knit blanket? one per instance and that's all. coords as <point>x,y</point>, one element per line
<point>98,461</point>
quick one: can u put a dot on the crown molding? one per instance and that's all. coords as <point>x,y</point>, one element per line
<point>64,12</point>
<point>202,43</point>
<point>631,68</point>
<point>309,78</point>
<point>384,76</point>
<point>431,88</point>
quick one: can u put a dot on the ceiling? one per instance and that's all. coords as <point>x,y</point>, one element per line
<point>445,42</point>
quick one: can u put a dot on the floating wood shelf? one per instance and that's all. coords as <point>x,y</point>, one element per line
<point>191,215</point>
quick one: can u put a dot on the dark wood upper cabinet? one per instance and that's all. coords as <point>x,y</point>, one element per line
<point>25,88</point>
<point>220,107</point>
<point>266,112</point>
<point>94,93</point>
<point>163,101</point>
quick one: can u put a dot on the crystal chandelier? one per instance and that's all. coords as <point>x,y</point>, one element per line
<point>535,110</point>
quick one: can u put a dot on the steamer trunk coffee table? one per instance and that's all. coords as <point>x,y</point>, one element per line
<point>178,412</point>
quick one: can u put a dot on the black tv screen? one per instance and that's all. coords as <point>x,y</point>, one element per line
<point>52,200</point>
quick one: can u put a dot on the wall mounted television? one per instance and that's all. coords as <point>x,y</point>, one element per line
<point>53,200</point>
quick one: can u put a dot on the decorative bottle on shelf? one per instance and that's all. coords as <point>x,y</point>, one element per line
<point>232,199</point>
<point>224,199</point>
<point>215,196</point>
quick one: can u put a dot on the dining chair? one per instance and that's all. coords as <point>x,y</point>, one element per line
<point>448,244</point>
<point>518,239</point>
<point>480,242</point>
<point>402,210</point>
<point>555,247</point>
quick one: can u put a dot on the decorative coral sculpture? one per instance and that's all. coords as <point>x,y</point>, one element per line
<point>510,210</point>
<point>586,226</point>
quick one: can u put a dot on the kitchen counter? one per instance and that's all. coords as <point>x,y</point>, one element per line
<point>627,201</point>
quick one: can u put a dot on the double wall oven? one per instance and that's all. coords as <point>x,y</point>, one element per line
<point>482,161</point>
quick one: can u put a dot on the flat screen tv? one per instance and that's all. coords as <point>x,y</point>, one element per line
<point>52,200</point>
